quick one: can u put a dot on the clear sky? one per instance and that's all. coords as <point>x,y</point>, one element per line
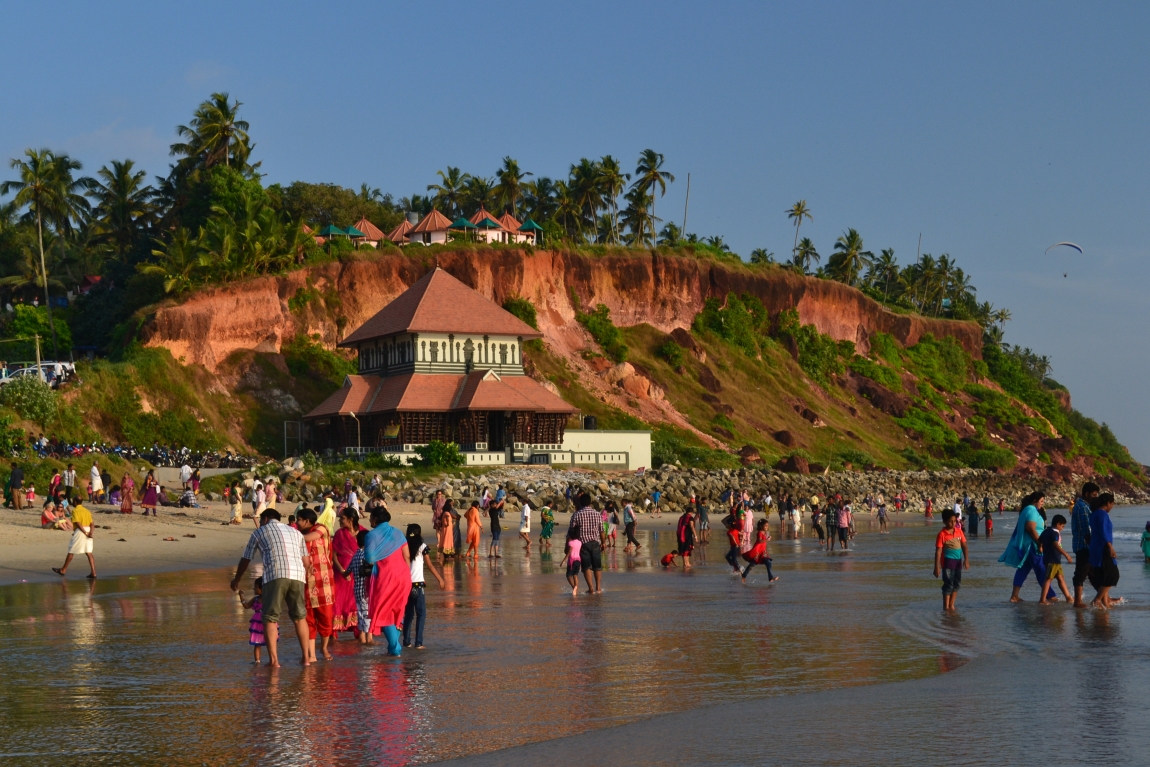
<point>993,129</point>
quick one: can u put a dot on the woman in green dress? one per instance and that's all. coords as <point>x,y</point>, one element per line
<point>547,517</point>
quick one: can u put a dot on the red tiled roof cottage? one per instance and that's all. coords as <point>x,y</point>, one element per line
<point>440,362</point>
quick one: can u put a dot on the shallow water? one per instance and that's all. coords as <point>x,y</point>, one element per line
<point>156,669</point>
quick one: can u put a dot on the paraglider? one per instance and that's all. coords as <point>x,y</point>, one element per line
<point>1067,244</point>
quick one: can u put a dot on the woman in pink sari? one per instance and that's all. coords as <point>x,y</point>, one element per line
<point>344,547</point>
<point>386,548</point>
<point>747,534</point>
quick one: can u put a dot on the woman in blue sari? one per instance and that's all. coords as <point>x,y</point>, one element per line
<point>1022,552</point>
<point>386,548</point>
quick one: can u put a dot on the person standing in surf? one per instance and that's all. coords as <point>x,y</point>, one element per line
<point>950,558</point>
<point>1080,538</point>
<point>1022,552</point>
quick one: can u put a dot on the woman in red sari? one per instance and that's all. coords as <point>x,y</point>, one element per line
<point>386,548</point>
<point>344,547</point>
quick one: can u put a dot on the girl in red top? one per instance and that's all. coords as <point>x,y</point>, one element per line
<point>759,553</point>
<point>734,536</point>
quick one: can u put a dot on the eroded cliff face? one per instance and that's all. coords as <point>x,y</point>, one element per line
<point>664,291</point>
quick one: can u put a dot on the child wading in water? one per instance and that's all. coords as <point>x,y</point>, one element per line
<point>571,557</point>
<point>733,537</point>
<point>950,557</point>
<point>759,554</point>
<point>668,559</point>
<point>1052,554</point>
<point>360,581</point>
<point>256,626</point>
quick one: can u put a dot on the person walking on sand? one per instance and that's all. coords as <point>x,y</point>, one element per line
<point>235,498</point>
<point>473,525</point>
<point>703,516</point>
<point>150,494</point>
<point>83,528</point>
<point>629,528</point>
<point>286,565</point>
<point>586,521</point>
<point>185,475</point>
<point>54,486</point>
<point>16,486</point>
<point>69,482</point>
<point>525,526</point>
<point>127,491</point>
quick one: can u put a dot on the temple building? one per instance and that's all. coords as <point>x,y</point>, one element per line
<point>441,362</point>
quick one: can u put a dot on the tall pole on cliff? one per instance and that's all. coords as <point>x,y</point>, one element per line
<point>685,204</point>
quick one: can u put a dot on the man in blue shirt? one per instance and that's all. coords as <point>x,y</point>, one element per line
<point>1080,538</point>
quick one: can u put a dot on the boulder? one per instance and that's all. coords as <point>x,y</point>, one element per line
<point>785,438</point>
<point>794,464</point>
<point>683,338</point>
<point>749,454</point>
<point>599,364</point>
<point>637,386</point>
<point>619,373</point>
<point>708,380</point>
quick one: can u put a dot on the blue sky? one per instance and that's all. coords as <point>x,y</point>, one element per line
<point>994,130</point>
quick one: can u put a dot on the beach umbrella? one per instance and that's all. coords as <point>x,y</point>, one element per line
<point>331,230</point>
<point>462,223</point>
<point>530,226</point>
<point>351,231</point>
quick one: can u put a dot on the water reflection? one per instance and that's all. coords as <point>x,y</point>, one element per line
<point>157,670</point>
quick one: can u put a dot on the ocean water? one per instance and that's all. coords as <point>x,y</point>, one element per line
<point>847,659</point>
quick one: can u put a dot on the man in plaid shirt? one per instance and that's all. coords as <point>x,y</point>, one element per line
<point>320,582</point>
<point>286,565</point>
<point>588,522</point>
<point>1080,538</point>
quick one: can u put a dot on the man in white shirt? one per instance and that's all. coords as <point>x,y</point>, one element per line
<point>97,483</point>
<point>69,478</point>
<point>525,525</point>
<point>185,474</point>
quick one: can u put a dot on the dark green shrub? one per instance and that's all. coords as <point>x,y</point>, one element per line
<point>929,426</point>
<point>877,373</point>
<point>941,361</point>
<point>599,325</point>
<point>672,353</point>
<point>439,455</point>
<point>31,398</point>
<point>306,357</point>
<point>523,309</point>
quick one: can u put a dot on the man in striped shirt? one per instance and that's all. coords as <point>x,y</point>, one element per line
<point>588,522</point>
<point>286,565</point>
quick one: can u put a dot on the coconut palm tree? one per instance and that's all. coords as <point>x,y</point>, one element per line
<point>885,270</point>
<point>648,176</point>
<point>123,204</point>
<point>215,134</point>
<point>797,213</point>
<point>449,191</point>
<point>613,181</point>
<point>50,191</point>
<point>369,194</point>
<point>478,192</point>
<point>567,211</point>
<point>178,261</point>
<point>586,186</point>
<point>805,254</point>
<point>762,256</point>
<point>638,215</point>
<point>671,235</point>
<point>509,191</point>
<point>850,257</point>
<point>539,199</point>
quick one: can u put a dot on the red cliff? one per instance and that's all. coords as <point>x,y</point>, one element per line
<point>666,291</point>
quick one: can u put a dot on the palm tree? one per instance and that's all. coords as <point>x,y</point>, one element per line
<point>850,258</point>
<point>567,211</point>
<point>638,215</point>
<point>805,253</point>
<point>509,192</point>
<point>797,213</point>
<point>368,194</point>
<point>539,199</point>
<point>716,242</point>
<point>885,269</point>
<point>613,180</point>
<point>177,261</point>
<point>1001,316</point>
<point>671,235</point>
<point>648,176</point>
<point>123,203</point>
<point>586,186</point>
<point>49,190</point>
<point>478,192</point>
<point>215,134</point>
<point>449,190</point>
<point>762,256</point>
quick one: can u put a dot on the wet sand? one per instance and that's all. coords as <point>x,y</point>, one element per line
<point>28,552</point>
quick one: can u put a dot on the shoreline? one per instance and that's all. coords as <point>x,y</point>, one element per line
<point>28,552</point>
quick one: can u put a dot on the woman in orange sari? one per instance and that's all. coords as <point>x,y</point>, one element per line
<point>127,490</point>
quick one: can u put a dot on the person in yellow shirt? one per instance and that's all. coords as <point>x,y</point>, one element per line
<point>83,528</point>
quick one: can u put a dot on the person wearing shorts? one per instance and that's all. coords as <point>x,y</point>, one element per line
<point>950,557</point>
<point>587,523</point>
